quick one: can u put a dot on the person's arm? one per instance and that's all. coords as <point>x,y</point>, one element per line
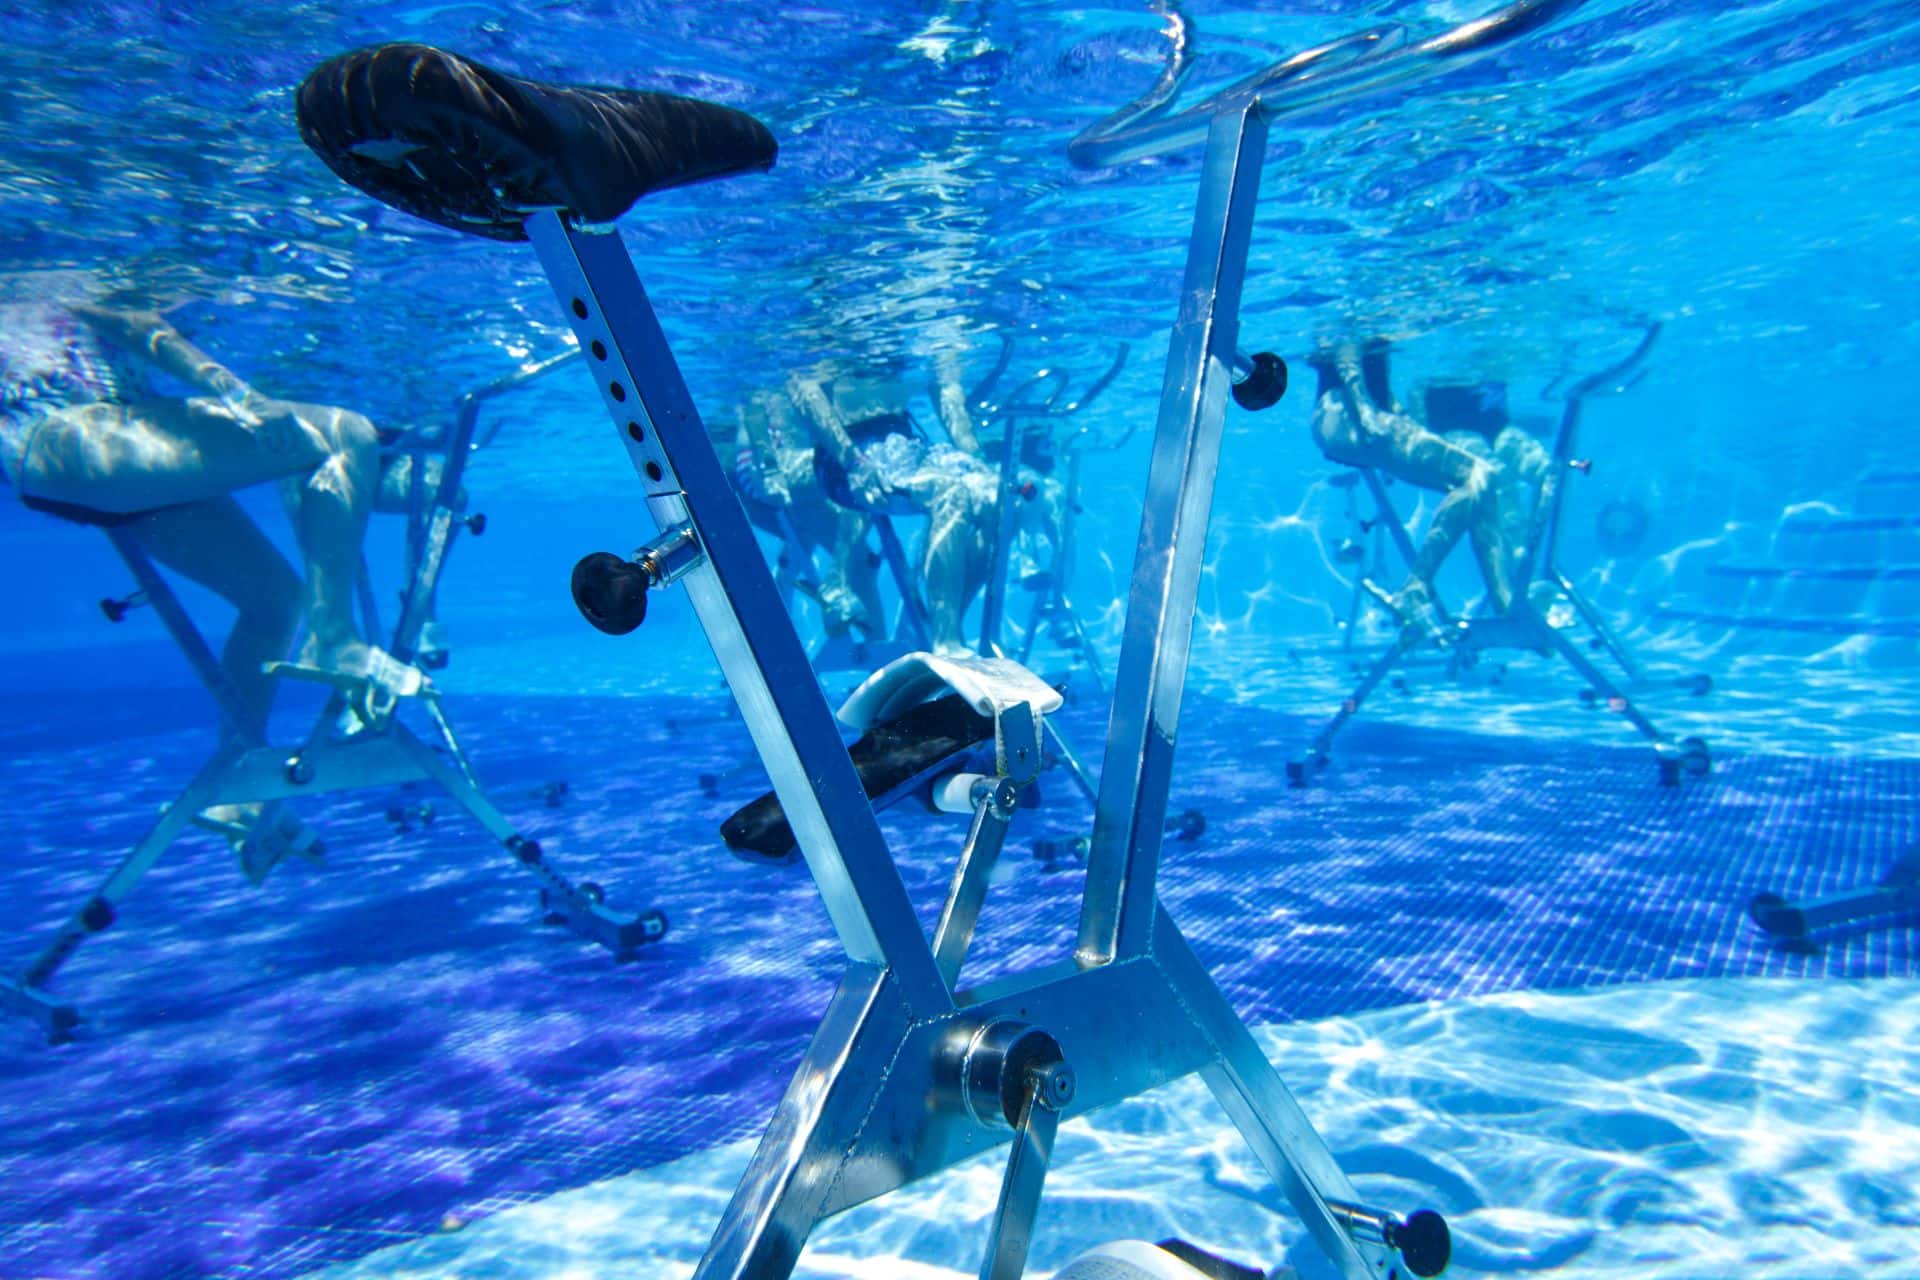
<point>1367,419</point>
<point>822,419</point>
<point>150,336</point>
<point>951,398</point>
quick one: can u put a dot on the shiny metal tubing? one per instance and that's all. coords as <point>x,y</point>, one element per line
<point>1117,913</point>
<point>1355,66</point>
<point>739,607</point>
<point>1543,533</point>
<point>1387,514</point>
<point>1011,1234</point>
<point>508,383</point>
<point>968,891</point>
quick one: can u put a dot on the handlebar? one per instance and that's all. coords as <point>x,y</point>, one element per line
<point>1354,66</point>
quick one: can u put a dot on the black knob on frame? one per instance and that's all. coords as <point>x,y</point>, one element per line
<point>1264,385</point>
<point>611,593</point>
<point>1424,1243</point>
<point>117,610</point>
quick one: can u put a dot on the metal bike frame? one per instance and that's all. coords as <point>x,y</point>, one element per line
<point>869,1108</point>
<point>1522,626</point>
<point>247,769</point>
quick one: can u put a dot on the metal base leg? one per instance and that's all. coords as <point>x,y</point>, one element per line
<point>1677,762</point>
<point>1521,628</point>
<point>27,995</point>
<point>1305,768</point>
<point>878,1103</point>
<point>238,774</point>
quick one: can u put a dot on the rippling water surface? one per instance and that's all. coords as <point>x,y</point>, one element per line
<point>1736,167</point>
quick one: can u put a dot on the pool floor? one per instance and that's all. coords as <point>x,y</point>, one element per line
<point>348,1058</point>
<point>1753,1127</point>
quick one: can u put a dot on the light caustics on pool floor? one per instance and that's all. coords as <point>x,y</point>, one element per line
<point>1759,703</point>
<point>1756,1127</point>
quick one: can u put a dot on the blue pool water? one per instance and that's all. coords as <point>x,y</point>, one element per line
<point>1504,971</point>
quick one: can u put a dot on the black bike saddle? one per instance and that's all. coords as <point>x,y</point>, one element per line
<point>446,139</point>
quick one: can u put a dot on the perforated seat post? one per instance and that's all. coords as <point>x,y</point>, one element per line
<point>733,592</point>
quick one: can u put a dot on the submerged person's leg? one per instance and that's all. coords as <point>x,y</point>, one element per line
<point>215,544</point>
<point>1423,459</point>
<point>859,569</point>
<point>329,507</point>
<point>395,495</point>
<point>822,526</point>
<point>1493,548</point>
<point>123,454</point>
<point>954,565</point>
<point>1470,508</point>
<point>125,459</point>
<point>1524,464</point>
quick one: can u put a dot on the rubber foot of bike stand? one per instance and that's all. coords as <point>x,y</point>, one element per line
<point>1778,916</point>
<point>56,1017</point>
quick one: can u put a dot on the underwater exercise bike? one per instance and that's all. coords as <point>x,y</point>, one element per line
<point>908,1072</point>
<point>357,742</point>
<point>1528,624</point>
<point>1030,427</point>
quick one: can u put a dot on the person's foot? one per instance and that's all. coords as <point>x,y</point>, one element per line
<point>1552,605</point>
<point>375,680</point>
<point>263,836</point>
<point>363,661</point>
<point>1413,606</point>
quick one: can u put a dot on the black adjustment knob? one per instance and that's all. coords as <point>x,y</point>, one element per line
<point>1189,826</point>
<point>96,915</point>
<point>117,610</point>
<point>611,593</point>
<point>1263,387</point>
<point>1424,1243</point>
<point>476,523</point>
